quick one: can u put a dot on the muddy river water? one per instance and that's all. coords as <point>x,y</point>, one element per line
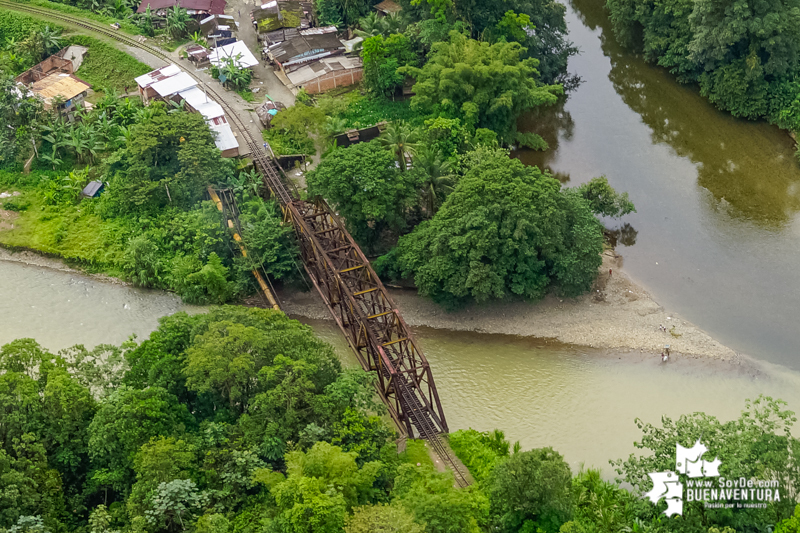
<point>583,402</point>
<point>717,230</point>
<point>717,239</point>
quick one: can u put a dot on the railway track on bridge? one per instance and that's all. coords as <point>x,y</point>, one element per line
<point>352,291</point>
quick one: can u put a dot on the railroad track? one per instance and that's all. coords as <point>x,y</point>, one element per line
<point>412,407</point>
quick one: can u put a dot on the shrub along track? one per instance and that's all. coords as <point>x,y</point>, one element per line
<point>394,361</point>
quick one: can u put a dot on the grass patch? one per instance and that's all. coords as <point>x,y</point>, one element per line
<point>126,26</point>
<point>358,111</point>
<point>416,453</point>
<point>105,67</point>
<point>247,95</point>
<point>18,26</point>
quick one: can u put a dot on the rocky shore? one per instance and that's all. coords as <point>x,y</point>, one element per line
<point>617,314</point>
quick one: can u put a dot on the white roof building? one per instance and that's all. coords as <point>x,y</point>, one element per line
<point>225,140</point>
<point>174,84</point>
<point>201,103</point>
<point>238,51</point>
<point>146,80</point>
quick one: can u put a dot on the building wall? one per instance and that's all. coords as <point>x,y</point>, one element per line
<point>332,80</point>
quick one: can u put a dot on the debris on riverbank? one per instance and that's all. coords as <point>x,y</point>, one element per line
<point>617,314</point>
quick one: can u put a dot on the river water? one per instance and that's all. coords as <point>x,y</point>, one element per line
<point>717,231</point>
<point>716,239</point>
<point>583,402</point>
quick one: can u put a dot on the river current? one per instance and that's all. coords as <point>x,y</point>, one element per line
<point>580,401</point>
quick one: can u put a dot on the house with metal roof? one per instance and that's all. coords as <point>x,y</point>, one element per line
<point>237,51</point>
<point>302,49</point>
<point>172,83</point>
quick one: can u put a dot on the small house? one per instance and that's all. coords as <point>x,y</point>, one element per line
<point>302,49</point>
<point>326,74</point>
<point>237,51</point>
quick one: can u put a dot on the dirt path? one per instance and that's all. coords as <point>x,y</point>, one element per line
<point>618,314</point>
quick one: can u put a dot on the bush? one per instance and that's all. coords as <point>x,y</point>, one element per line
<point>480,451</point>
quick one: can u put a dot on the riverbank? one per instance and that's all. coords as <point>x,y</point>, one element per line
<point>617,314</point>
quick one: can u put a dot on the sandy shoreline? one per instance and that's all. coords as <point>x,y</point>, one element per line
<point>618,314</point>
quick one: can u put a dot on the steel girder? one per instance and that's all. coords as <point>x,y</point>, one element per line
<point>368,318</point>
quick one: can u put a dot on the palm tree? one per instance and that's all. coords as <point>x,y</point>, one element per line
<point>401,139</point>
<point>145,22</point>
<point>50,39</point>
<point>118,9</point>
<point>177,18</point>
<point>439,177</point>
<point>335,126</point>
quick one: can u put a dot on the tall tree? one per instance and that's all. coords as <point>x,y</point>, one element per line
<point>485,85</point>
<point>505,230</point>
<point>365,184</point>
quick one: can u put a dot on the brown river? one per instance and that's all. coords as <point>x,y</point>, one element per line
<point>717,239</point>
<point>717,231</point>
<point>583,402</point>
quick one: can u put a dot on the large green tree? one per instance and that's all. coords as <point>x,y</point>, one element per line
<point>169,159</point>
<point>125,421</point>
<point>505,230</point>
<point>367,188</point>
<point>485,85</point>
<point>531,490</point>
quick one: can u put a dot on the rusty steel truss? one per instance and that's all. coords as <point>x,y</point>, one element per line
<point>369,319</point>
<point>367,316</point>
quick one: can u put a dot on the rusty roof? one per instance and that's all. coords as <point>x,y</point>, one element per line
<point>67,86</point>
<point>387,6</point>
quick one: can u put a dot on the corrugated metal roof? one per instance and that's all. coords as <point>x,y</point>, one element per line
<point>198,100</point>
<point>174,84</point>
<point>299,45</point>
<point>233,50</point>
<point>66,86</point>
<point>225,139</point>
<point>146,80</point>
<point>315,70</point>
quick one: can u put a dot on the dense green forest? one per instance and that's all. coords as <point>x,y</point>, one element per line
<point>744,55</point>
<point>241,421</point>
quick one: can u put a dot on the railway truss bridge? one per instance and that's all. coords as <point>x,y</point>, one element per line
<point>356,298</point>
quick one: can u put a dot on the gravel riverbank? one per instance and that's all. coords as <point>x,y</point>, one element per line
<point>618,314</point>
